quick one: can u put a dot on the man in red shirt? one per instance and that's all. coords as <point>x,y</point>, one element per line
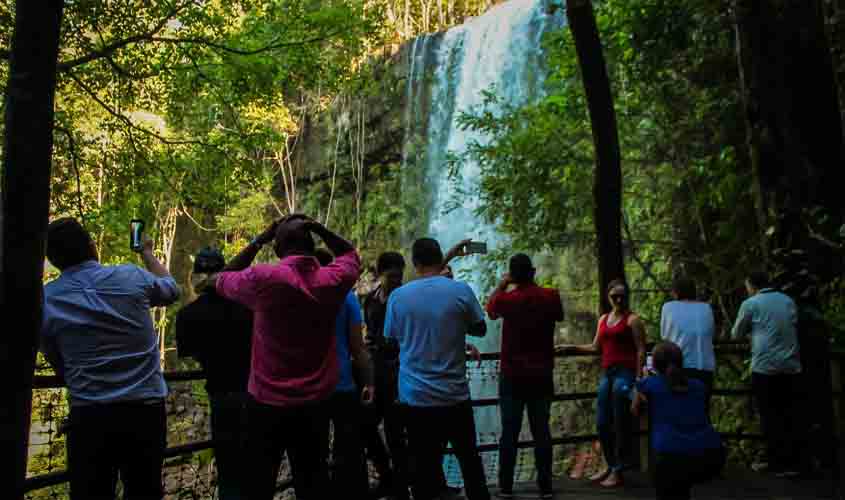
<point>527,363</point>
<point>294,364</point>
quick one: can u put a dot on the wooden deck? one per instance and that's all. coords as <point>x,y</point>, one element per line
<point>737,485</point>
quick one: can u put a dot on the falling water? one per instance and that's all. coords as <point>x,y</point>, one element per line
<point>501,52</point>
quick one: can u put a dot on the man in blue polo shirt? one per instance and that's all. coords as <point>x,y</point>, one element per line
<point>769,318</point>
<point>429,319</point>
<point>98,334</point>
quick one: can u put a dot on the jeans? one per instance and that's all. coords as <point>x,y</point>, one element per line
<point>513,400</point>
<point>430,428</point>
<point>706,377</point>
<point>126,439</point>
<point>349,470</point>
<point>613,419</point>
<point>780,403</point>
<point>675,474</point>
<point>300,432</point>
<point>228,412</point>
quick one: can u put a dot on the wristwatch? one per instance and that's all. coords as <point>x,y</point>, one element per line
<point>255,241</point>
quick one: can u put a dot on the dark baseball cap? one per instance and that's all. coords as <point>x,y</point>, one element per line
<point>209,260</point>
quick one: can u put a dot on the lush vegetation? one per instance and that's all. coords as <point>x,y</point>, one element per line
<point>192,115</point>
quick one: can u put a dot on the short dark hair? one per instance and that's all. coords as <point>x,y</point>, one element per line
<point>684,288</point>
<point>759,279</point>
<point>389,260</point>
<point>426,252</point>
<point>521,269</point>
<point>68,243</point>
<point>323,256</point>
<point>293,239</point>
<point>209,260</point>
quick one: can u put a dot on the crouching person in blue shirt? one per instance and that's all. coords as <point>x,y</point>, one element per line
<point>688,450</point>
<point>98,334</point>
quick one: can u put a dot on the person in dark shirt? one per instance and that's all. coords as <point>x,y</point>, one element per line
<point>390,268</point>
<point>217,332</point>
<point>527,364</point>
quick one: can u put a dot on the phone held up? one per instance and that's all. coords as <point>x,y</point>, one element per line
<point>136,235</point>
<point>476,247</point>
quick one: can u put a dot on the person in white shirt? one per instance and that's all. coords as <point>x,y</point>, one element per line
<point>689,323</point>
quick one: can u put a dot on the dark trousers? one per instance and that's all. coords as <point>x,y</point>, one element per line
<point>119,439</point>
<point>430,428</point>
<point>514,400</point>
<point>675,475</point>
<point>779,400</point>
<point>349,468</point>
<point>390,459</point>
<point>300,432</point>
<point>613,418</point>
<point>707,379</point>
<point>228,426</point>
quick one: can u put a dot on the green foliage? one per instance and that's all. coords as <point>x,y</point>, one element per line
<point>687,201</point>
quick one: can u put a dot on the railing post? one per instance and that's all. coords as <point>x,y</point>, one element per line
<point>836,397</point>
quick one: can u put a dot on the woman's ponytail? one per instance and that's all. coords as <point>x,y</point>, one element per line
<point>669,362</point>
<point>677,378</point>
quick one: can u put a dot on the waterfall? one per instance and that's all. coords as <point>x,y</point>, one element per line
<point>499,51</point>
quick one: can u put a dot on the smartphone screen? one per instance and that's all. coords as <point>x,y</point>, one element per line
<point>477,247</point>
<point>136,231</point>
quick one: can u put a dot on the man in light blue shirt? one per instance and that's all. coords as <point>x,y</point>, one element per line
<point>429,318</point>
<point>98,334</point>
<point>770,317</point>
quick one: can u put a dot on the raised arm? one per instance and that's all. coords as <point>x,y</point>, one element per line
<point>335,243</point>
<point>151,262</point>
<point>245,258</point>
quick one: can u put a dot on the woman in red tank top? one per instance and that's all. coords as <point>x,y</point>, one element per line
<point>620,339</point>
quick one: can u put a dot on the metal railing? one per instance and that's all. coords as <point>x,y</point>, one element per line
<point>58,477</point>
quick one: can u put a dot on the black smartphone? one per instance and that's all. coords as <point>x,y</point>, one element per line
<point>476,247</point>
<point>136,235</point>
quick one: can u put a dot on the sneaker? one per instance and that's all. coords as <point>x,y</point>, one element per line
<point>788,473</point>
<point>760,466</point>
<point>505,494</point>
<point>547,494</point>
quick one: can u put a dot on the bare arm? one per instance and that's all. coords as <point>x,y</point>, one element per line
<point>151,262</point>
<point>336,243</point>
<point>246,256</point>
<point>592,348</point>
<point>636,402</point>
<point>458,250</point>
<point>361,361</point>
<point>638,327</point>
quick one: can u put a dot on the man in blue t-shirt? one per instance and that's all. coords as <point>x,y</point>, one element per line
<point>429,318</point>
<point>349,470</point>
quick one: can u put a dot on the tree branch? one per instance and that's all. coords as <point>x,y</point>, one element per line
<point>110,49</point>
<point>129,122</point>
<point>74,162</point>
<point>244,52</point>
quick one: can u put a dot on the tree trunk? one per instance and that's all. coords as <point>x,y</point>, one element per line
<point>835,21</point>
<point>27,149</point>
<point>607,181</point>
<point>793,121</point>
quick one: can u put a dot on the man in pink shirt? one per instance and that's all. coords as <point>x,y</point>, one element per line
<point>294,365</point>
